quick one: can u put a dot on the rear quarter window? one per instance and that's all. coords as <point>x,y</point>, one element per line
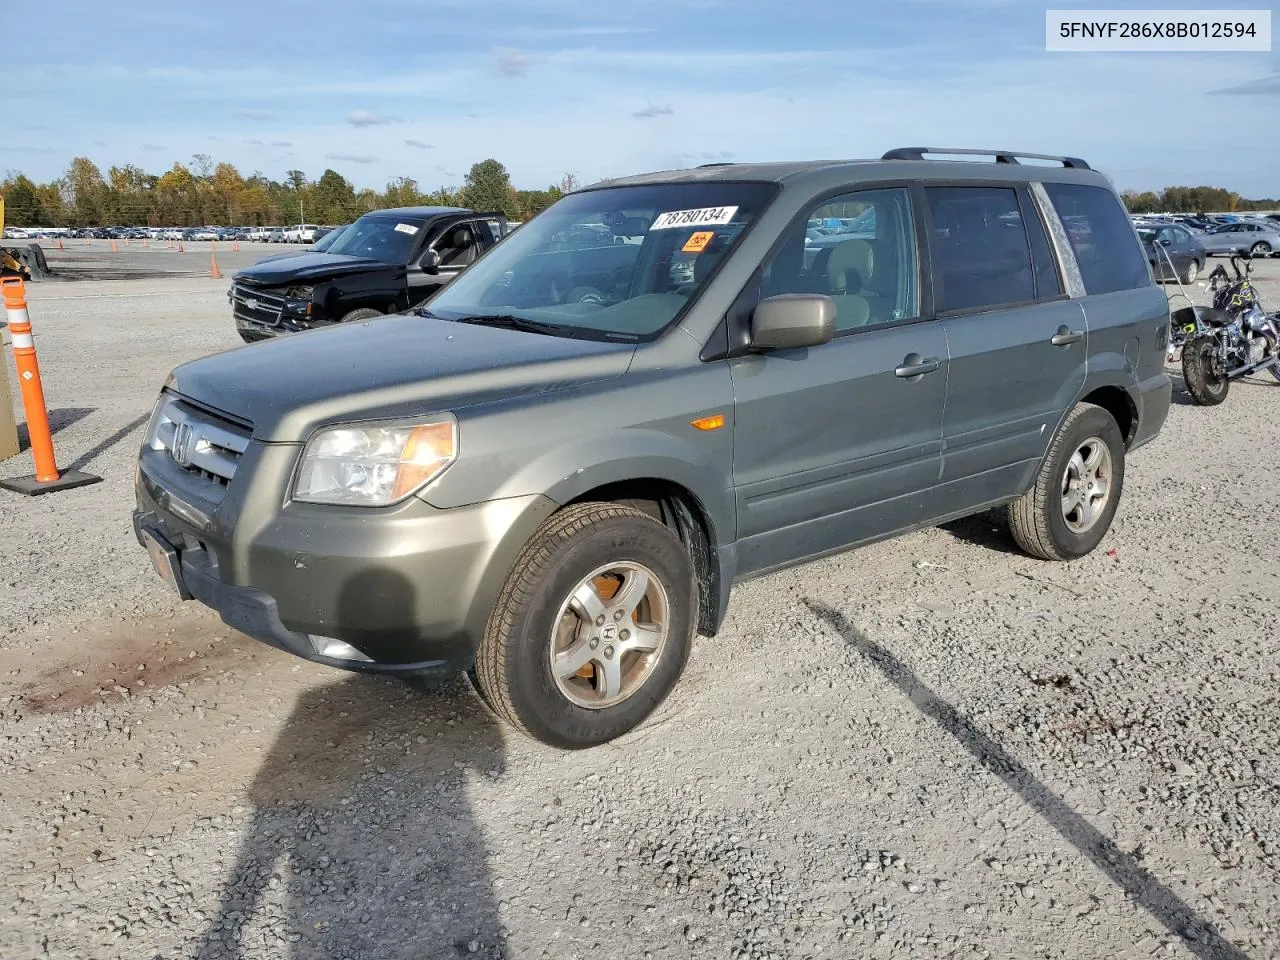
<point>1101,237</point>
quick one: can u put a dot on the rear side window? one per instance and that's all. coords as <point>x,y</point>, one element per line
<point>1101,237</point>
<point>981,257</point>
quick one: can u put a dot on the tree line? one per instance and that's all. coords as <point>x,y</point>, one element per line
<point>208,193</point>
<point>204,192</point>
<point>1192,200</point>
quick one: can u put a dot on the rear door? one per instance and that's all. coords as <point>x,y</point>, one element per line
<point>838,444</point>
<point>1017,344</point>
<point>1128,315</point>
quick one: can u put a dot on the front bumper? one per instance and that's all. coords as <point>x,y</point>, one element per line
<point>409,588</point>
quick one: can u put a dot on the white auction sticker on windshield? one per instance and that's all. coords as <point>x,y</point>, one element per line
<point>408,228</point>
<point>704,216</point>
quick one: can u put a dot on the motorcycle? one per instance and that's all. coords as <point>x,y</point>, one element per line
<point>1234,338</point>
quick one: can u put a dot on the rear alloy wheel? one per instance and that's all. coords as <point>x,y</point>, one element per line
<point>1260,249</point>
<point>1070,508</point>
<point>593,627</point>
<point>1191,272</point>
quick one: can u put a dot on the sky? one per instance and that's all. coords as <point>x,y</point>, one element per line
<point>379,89</point>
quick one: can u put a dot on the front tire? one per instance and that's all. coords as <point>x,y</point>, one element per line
<point>593,627</point>
<point>1201,371</point>
<point>1070,508</point>
<point>364,313</point>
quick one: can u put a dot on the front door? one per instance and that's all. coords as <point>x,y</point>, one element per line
<point>1017,345</point>
<point>838,444</point>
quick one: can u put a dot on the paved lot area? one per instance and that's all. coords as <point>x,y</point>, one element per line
<point>934,747</point>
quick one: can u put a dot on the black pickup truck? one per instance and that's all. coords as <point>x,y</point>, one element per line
<point>385,262</point>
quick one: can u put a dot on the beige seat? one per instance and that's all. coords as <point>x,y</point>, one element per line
<point>849,269</point>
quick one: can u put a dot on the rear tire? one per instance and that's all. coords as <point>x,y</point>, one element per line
<point>1191,272</point>
<point>1069,510</point>
<point>364,313</point>
<point>1260,249</point>
<point>1206,388</point>
<point>569,655</point>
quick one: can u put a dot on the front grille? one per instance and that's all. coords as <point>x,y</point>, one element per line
<point>201,443</point>
<point>256,306</point>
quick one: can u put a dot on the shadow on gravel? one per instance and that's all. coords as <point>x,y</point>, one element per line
<point>987,530</point>
<point>362,842</point>
<point>82,461</point>
<point>59,419</point>
<point>1163,904</point>
<point>1180,395</point>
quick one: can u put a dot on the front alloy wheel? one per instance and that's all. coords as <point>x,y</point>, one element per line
<point>592,628</point>
<point>609,635</point>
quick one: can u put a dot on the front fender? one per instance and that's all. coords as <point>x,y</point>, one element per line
<point>634,454</point>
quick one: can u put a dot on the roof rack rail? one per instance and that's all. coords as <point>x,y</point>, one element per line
<point>1002,156</point>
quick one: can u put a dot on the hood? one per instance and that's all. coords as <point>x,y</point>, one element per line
<point>309,266</point>
<point>388,367</point>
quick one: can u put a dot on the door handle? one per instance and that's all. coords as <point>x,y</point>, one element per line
<point>913,365</point>
<point>1065,337</point>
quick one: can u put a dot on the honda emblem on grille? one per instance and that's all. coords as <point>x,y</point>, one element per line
<point>180,449</point>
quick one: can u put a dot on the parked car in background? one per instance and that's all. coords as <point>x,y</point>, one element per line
<point>276,235</point>
<point>300,233</point>
<point>552,474</point>
<point>1183,249</point>
<point>1243,236</point>
<point>204,233</point>
<point>320,246</point>
<point>384,262</point>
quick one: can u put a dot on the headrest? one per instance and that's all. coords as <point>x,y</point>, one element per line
<point>850,265</point>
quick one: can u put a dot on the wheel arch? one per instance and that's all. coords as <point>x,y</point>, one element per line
<point>1118,402</point>
<point>679,509</point>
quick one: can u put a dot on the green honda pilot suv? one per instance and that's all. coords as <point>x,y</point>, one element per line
<point>551,473</point>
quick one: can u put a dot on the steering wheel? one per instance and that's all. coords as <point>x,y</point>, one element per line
<point>585,294</point>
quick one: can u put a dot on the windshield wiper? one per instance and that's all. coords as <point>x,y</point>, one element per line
<point>508,321</point>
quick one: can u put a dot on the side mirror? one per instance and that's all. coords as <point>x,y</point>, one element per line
<point>792,320</point>
<point>431,262</point>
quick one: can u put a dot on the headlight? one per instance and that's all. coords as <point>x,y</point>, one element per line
<point>298,293</point>
<point>375,464</point>
<point>160,430</point>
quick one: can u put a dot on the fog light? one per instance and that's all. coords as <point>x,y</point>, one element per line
<point>337,649</point>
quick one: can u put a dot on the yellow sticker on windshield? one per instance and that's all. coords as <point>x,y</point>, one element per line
<point>697,242</point>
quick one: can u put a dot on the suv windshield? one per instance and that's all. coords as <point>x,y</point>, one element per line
<point>378,238</point>
<point>619,262</point>
<point>326,242</point>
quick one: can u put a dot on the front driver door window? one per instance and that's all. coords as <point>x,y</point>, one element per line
<point>841,442</point>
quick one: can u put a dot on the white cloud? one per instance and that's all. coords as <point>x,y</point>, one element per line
<point>417,145</point>
<point>352,157</point>
<point>511,62</point>
<point>367,118</point>
<point>653,110</point>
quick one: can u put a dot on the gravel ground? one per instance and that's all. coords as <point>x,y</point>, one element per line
<point>934,747</point>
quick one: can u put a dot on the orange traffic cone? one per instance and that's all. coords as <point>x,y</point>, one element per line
<point>60,247</point>
<point>235,245</point>
<point>47,476</point>
<point>180,247</point>
<point>214,272</point>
